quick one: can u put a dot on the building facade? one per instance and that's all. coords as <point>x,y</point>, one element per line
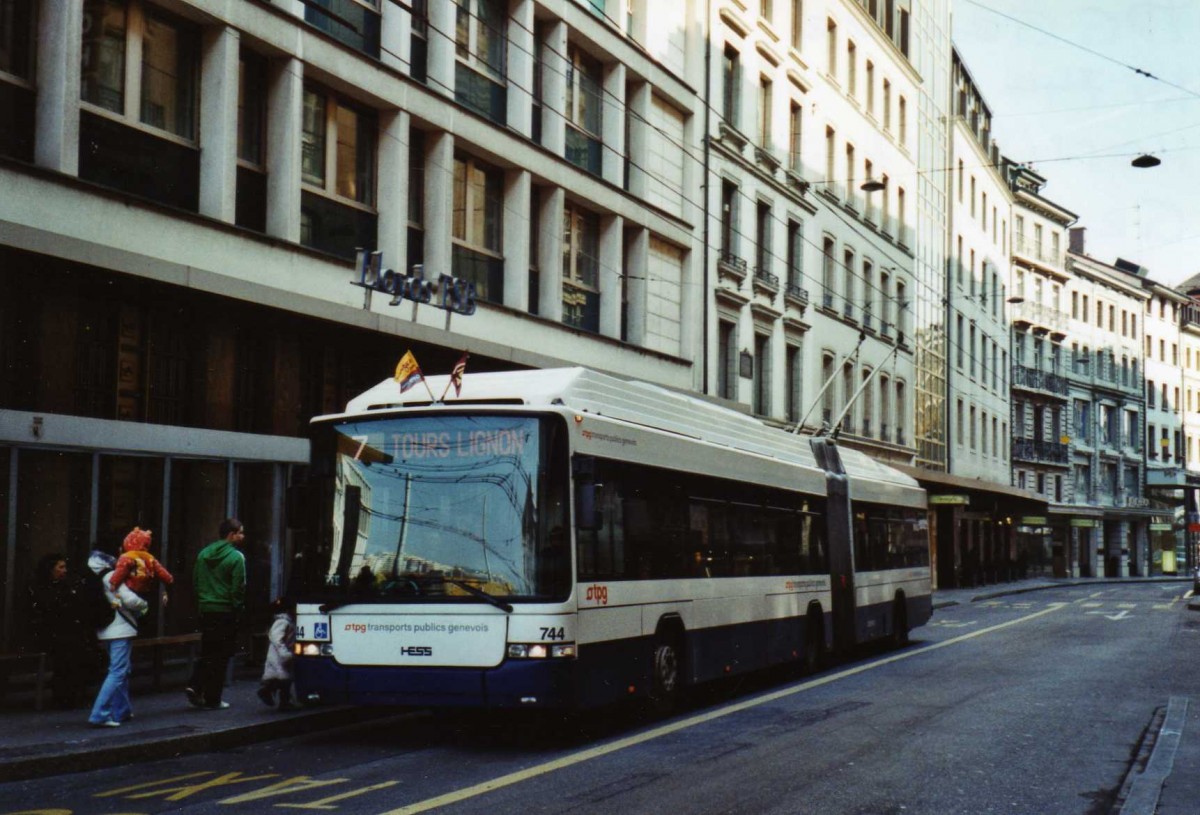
<point>186,188</point>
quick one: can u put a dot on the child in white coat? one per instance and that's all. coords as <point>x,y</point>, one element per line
<point>277,673</point>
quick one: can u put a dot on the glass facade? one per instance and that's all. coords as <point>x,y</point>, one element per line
<point>932,59</point>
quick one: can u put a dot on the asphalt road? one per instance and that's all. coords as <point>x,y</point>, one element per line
<point>1030,704</point>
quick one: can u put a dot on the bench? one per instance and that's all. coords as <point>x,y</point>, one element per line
<point>159,645</point>
<point>11,665</point>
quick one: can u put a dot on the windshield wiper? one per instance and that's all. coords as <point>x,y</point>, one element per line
<point>480,593</point>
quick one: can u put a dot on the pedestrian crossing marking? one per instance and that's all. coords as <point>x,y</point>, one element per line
<point>1126,605</point>
<point>1092,605</point>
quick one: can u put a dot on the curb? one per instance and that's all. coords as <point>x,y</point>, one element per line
<point>1145,788</point>
<point>95,757</point>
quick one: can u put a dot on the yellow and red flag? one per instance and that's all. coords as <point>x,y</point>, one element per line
<point>408,372</point>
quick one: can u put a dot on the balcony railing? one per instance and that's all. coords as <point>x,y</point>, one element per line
<point>732,264</point>
<point>1033,379</point>
<point>1040,450</point>
<point>765,280</point>
<point>795,293</point>
<point>1039,315</point>
<point>1031,249</point>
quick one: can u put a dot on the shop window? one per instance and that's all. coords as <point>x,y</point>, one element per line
<point>338,171</point>
<point>476,227</point>
<point>479,81</point>
<point>581,268</point>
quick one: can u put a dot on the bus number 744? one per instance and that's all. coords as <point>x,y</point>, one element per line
<point>553,634</point>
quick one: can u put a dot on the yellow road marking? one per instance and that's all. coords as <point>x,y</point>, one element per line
<point>692,721</point>
<point>1126,605</point>
<point>327,803</point>
<point>288,786</point>
<point>157,783</point>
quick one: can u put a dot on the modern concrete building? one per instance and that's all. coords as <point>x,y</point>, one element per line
<point>183,188</point>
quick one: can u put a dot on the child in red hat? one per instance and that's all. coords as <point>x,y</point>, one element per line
<point>136,567</point>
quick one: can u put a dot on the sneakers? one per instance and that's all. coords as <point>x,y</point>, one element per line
<point>193,697</point>
<point>217,706</point>
<point>266,696</point>
<point>105,723</point>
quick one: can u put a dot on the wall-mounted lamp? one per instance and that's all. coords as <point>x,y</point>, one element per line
<point>1146,160</point>
<point>35,428</point>
<point>873,185</point>
<point>1015,300</point>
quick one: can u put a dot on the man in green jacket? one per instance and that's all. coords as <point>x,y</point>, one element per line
<point>220,582</point>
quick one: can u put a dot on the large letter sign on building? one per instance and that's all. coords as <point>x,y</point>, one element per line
<point>453,293</point>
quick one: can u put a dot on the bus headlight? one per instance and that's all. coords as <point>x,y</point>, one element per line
<point>313,649</point>
<point>539,650</point>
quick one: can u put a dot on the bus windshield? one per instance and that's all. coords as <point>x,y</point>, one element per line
<point>449,507</point>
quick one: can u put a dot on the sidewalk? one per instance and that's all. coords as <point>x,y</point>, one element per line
<point>41,743</point>
<point>47,742</point>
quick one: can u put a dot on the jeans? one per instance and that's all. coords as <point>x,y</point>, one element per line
<point>112,702</point>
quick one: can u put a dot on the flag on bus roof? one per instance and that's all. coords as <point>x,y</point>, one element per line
<point>456,375</point>
<point>408,372</point>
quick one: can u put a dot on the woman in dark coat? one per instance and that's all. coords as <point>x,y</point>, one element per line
<point>61,626</point>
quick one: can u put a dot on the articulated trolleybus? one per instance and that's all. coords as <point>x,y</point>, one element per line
<point>564,539</point>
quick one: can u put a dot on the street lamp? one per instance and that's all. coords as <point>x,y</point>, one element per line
<point>873,185</point>
<point>1146,160</point>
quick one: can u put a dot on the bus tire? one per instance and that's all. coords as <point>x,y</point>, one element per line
<point>665,677</point>
<point>900,622</point>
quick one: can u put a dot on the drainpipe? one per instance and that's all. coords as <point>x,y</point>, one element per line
<point>706,100</point>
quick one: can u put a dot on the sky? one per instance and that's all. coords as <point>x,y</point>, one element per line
<point>1078,117</point>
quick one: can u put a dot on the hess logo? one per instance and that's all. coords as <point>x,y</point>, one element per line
<point>597,594</point>
<point>416,651</point>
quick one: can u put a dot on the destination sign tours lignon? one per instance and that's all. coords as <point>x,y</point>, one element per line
<point>452,293</point>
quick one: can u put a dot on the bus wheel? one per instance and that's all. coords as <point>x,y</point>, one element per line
<point>664,687</point>
<point>900,623</point>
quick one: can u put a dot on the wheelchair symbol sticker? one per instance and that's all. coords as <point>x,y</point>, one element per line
<point>320,631</point>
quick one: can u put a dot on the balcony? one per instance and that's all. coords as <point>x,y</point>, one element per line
<point>765,282</point>
<point>732,266</point>
<point>796,295</point>
<point>1041,381</point>
<point>1036,251</point>
<point>1041,451</point>
<point>1040,318</point>
<point>768,158</point>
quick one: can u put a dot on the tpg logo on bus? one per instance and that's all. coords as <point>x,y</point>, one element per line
<point>597,595</point>
<point>453,293</point>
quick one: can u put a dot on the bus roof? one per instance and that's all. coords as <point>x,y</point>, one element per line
<point>639,403</point>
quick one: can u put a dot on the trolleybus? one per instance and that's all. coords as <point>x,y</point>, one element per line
<point>565,539</point>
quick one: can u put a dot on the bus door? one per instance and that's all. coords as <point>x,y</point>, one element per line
<point>840,542</point>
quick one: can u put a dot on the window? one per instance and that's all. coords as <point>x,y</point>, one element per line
<point>731,76</point>
<point>851,68</point>
<point>870,88</point>
<point>479,47</point>
<point>792,375</point>
<point>476,226</point>
<point>797,23</point>
<point>767,10</point>
<point>887,106</point>
<point>901,412</point>
<point>251,190</point>
<point>831,33</point>
<point>17,37</point>
<point>762,240</point>
<point>338,137</point>
<point>584,102</point>
<point>762,367</point>
<point>795,129</point>
<point>795,254</point>
<point>727,372</point>
<point>729,212</point>
<point>166,76</point>
<point>885,403</point>
<point>902,127</point>
<point>830,160</point>
<point>826,379</point>
<point>581,268</point>
<point>764,111</point>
